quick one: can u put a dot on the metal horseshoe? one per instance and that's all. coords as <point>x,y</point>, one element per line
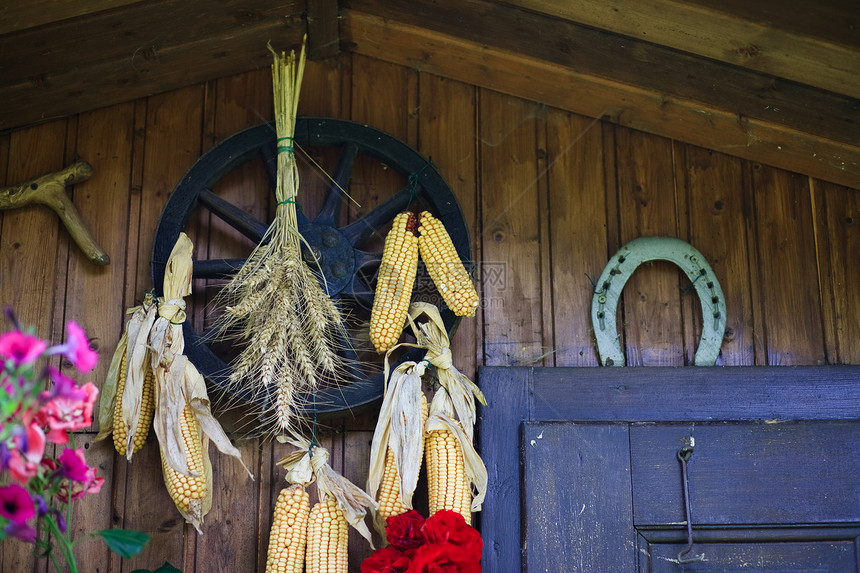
<point>607,291</point>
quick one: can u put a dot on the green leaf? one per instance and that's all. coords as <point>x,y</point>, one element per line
<point>166,568</point>
<point>125,543</point>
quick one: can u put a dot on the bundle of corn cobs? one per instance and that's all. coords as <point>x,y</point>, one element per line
<point>398,269</point>
<point>151,382</point>
<point>314,538</point>
<point>407,431</point>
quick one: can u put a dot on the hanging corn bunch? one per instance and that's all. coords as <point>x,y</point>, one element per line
<point>394,282</point>
<point>275,303</point>
<point>341,504</point>
<point>445,267</point>
<point>398,444</point>
<point>453,465</point>
<point>127,401</point>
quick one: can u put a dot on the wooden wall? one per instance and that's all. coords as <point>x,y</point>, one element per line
<point>548,196</point>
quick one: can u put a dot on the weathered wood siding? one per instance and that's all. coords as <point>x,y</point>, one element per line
<point>548,196</point>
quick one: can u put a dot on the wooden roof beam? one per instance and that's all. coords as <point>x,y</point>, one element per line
<point>813,43</point>
<point>601,75</point>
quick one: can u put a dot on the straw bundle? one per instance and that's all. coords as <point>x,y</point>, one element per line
<point>275,302</point>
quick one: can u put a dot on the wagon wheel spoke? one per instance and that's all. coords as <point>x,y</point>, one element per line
<point>365,259</point>
<point>216,268</point>
<point>330,211</point>
<point>240,220</point>
<point>362,229</point>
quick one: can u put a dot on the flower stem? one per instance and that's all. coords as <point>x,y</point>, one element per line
<point>64,543</point>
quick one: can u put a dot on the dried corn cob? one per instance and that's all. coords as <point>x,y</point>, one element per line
<point>328,531</point>
<point>188,491</point>
<point>445,267</point>
<point>448,487</point>
<point>389,498</point>
<point>394,282</point>
<point>147,409</point>
<point>289,534</point>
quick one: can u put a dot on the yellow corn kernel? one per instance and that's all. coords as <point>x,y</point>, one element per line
<point>188,491</point>
<point>289,533</point>
<point>394,282</point>
<point>328,531</point>
<point>446,474</point>
<point>147,410</point>
<point>445,267</point>
<point>390,502</point>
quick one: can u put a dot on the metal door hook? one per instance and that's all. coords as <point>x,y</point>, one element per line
<point>684,455</point>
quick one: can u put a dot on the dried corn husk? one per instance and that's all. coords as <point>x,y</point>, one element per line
<point>400,427</point>
<point>133,338</point>
<point>307,464</point>
<point>433,336</point>
<point>153,338</point>
<point>456,401</point>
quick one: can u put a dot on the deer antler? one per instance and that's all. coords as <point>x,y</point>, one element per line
<point>50,190</point>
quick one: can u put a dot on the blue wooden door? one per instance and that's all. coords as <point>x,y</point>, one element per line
<point>585,473</point>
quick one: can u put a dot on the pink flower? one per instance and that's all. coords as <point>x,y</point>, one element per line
<point>29,442</point>
<point>68,412</point>
<point>71,491</point>
<point>73,465</point>
<point>77,348</point>
<point>20,348</point>
<point>85,358</point>
<point>16,504</point>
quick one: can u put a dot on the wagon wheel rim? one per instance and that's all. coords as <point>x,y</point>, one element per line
<point>346,267</point>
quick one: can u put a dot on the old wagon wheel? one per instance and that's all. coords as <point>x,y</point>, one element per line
<point>349,269</point>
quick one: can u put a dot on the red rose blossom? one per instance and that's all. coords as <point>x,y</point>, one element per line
<point>388,559</point>
<point>449,527</point>
<point>445,558</point>
<point>404,531</point>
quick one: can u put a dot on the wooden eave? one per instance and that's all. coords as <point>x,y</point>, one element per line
<point>773,81</point>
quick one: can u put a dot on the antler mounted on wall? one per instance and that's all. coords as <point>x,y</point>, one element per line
<point>50,190</point>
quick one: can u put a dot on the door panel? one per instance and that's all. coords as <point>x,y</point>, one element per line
<point>584,475</point>
<point>577,476</point>
<point>748,473</point>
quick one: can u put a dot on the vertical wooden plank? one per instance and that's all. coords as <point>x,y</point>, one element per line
<point>787,266</point>
<point>28,246</point>
<point>507,391</point>
<point>716,210</point>
<point>652,317</point>
<point>578,229</point>
<point>578,500</point>
<point>356,463</point>
<point>231,529</point>
<point>30,263</point>
<point>172,144</point>
<point>510,231</point>
<point>105,139</point>
<point>448,135</point>
<point>380,99</point>
<point>838,239</point>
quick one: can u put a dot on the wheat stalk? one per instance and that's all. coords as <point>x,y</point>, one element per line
<point>275,303</point>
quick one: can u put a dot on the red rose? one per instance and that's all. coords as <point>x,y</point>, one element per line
<point>433,558</point>
<point>404,531</point>
<point>389,559</point>
<point>449,527</point>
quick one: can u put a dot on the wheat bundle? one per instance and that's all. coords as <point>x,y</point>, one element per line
<point>275,303</point>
